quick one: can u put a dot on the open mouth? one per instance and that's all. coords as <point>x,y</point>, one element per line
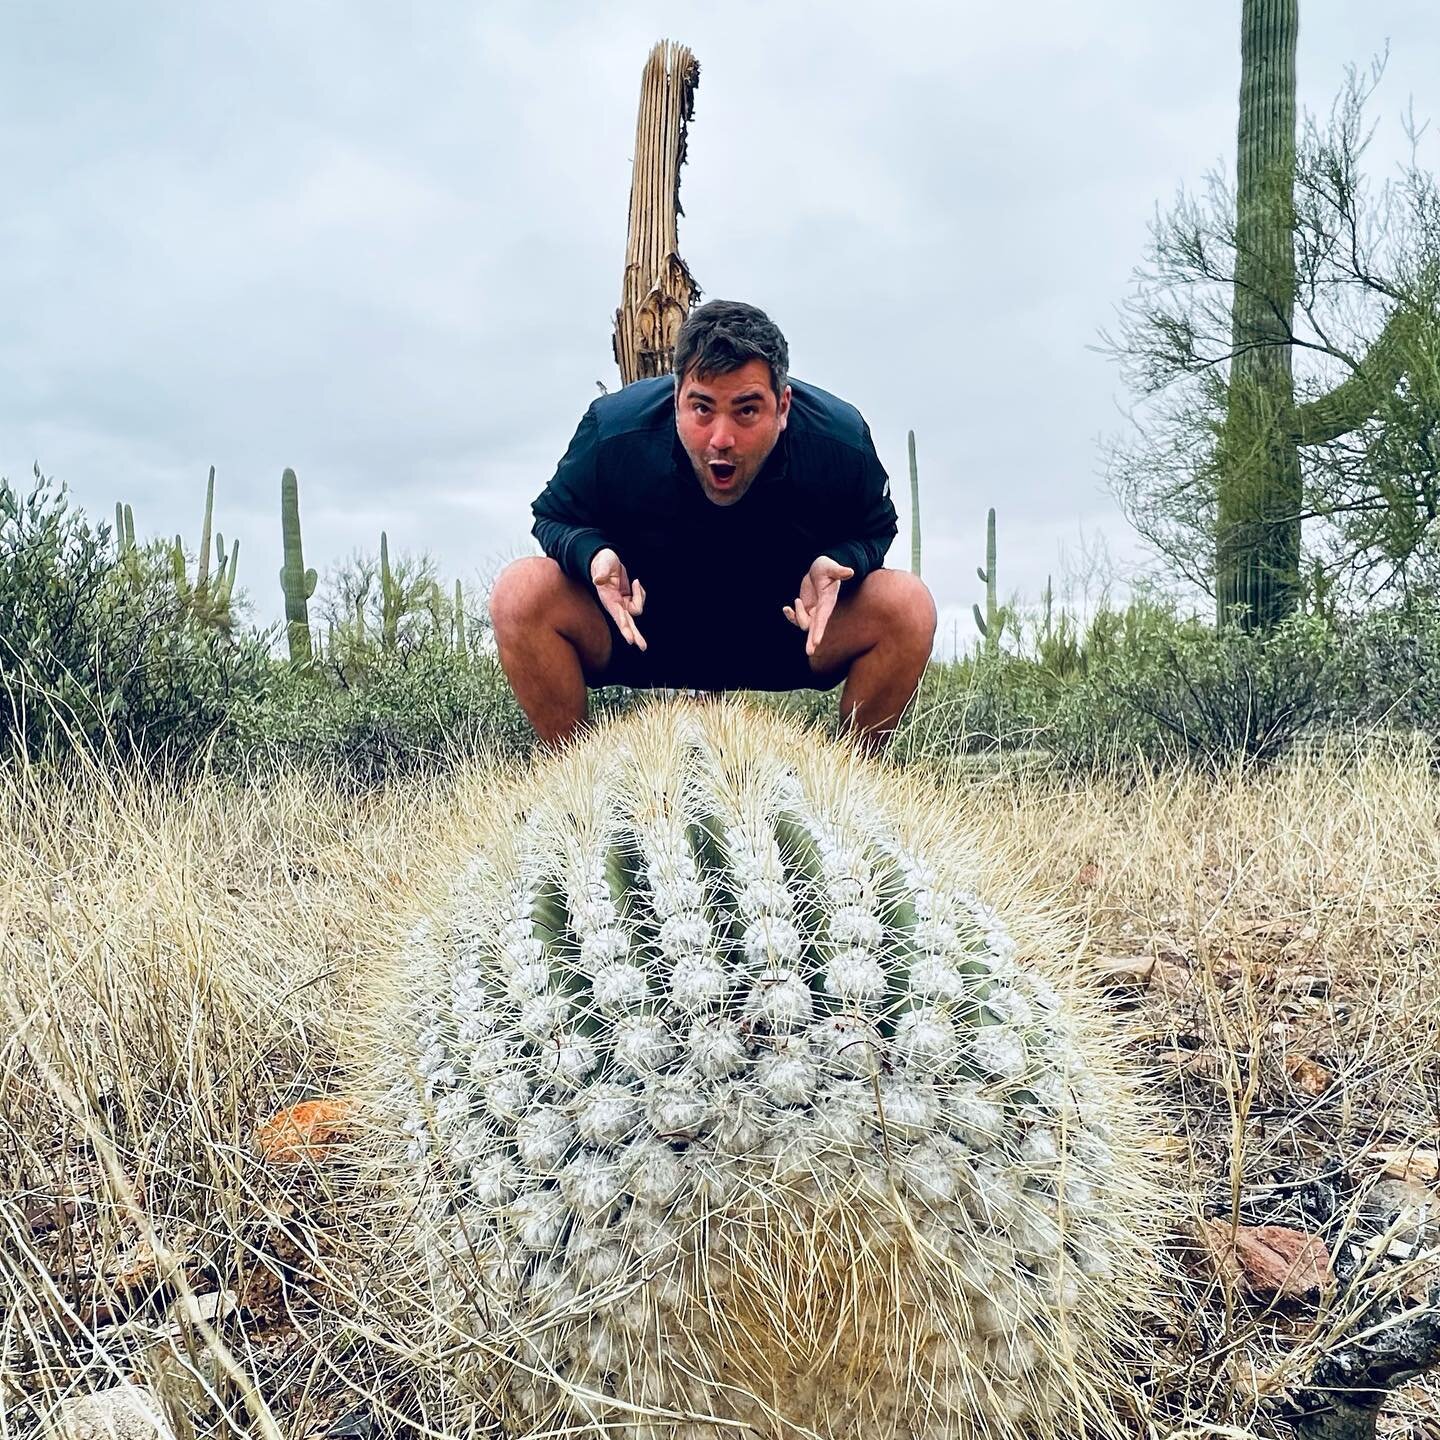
<point>721,472</point>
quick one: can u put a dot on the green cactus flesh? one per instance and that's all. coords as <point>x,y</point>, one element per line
<point>297,583</point>
<point>743,1104</point>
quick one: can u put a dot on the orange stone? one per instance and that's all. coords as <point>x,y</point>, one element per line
<point>306,1131</point>
<point>1272,1261</point>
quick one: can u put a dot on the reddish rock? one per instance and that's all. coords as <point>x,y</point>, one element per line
<point>1270,1261</point>
<point>306,1131</point>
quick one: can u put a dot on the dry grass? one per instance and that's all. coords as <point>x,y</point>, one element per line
<point>175,967</point>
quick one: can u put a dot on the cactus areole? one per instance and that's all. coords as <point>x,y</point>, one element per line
<point>731,1101</point>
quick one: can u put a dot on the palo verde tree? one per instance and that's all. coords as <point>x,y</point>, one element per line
<point>1283,338</point>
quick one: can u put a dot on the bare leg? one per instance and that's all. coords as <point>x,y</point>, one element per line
<point>884,632</point>
<point>551,635</point>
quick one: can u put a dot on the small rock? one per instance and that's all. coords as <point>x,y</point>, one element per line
<point>1307,1074</point>
<point>305,1131</point>
<point>1406,1215</point>
<point>1271,1261</point>
<point>123,1412</point>
<point>208,1307</point>
<point>1412,1163</point>
<point>1123,970</point>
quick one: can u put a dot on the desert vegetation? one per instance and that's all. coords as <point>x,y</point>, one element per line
<point>190,986</point>
<point>295,925</point>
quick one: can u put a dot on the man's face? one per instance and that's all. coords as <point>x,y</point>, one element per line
<point>728,425</point>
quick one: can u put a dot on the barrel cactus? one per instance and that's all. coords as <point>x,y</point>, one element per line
<point>732,1104</point>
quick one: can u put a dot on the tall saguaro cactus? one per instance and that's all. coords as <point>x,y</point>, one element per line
<point>126,551</point>
<point>658,289</point>
<point>1258,519</point>
<point>914,509</point>
<point>461,645</point>
<point>992,622</point>
<point>296,581</point>
<point>1260,486</point>
<point>207,601</point>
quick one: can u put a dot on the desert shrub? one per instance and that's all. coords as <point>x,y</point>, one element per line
<point>102,655</point>
<point>407,711</point>
<point>389,713</point>
<point>979,705</point>
<point>1390,670</point>
<point>1160,688</point>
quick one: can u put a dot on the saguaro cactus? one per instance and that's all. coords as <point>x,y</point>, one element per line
<point>392,600</point>
<point>729,1099</point>
<point>125,549</point>
<point>914,509</point>
<point>208,602</point>
<point>461,648</point>
<point>658,288</point>
<point>296,581</point>
<point>1260,490</point>
<point>992,622</point>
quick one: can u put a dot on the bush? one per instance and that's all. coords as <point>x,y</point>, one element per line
<point>1161,689</point>
<point>406,711</point>
<point>1391,670</point>
<point>102,655</point>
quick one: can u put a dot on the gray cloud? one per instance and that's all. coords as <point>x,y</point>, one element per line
<point>384,247</point>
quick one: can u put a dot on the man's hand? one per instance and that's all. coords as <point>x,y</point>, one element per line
<point>819,591</point>
<point>618,595</point>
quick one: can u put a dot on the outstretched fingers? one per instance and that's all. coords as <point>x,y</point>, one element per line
<point>618,607</point>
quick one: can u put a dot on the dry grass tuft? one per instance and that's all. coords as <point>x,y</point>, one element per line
<point>176,965</point>
<point>1270,939</point>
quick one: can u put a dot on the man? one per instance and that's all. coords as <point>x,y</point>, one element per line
<point>724,529</point>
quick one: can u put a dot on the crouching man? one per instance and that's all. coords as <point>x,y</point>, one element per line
<point>721,529</point>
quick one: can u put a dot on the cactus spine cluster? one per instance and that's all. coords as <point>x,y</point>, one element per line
<point>208,601</point>
<point>296,581</point>
<point>732,1101</point>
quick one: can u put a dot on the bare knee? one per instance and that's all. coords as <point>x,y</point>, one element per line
<point>904,609</point>
<point>524,594</point>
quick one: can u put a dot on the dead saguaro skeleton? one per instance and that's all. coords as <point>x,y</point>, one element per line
<point>658,290</point>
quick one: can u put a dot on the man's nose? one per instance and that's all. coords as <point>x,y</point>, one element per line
<point>722,437</point>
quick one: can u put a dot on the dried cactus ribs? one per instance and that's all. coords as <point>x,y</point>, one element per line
<point>731,1100</point>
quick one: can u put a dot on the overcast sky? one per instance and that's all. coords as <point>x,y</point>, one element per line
<point>383,243</point>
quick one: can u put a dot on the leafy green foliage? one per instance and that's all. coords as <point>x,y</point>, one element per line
<point>1161,689</point>
<point>96,649</point>
<point>402,712</point>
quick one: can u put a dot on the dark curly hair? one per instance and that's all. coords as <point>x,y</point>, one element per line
<point>722,335</point>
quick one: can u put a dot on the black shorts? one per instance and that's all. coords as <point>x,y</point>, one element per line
<point>754,653</point>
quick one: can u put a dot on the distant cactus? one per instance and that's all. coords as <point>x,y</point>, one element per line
<point>392,602</point>
<point>405,589</point>
<point>461,648</point>
<point>914,509</point>
<point>729,1099</point>
<point>126,551</point>
<point>296,581</point>
<point>992,622</point>
<point>207,601</point>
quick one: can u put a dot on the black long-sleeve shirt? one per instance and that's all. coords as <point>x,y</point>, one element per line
<point>626,484</point>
